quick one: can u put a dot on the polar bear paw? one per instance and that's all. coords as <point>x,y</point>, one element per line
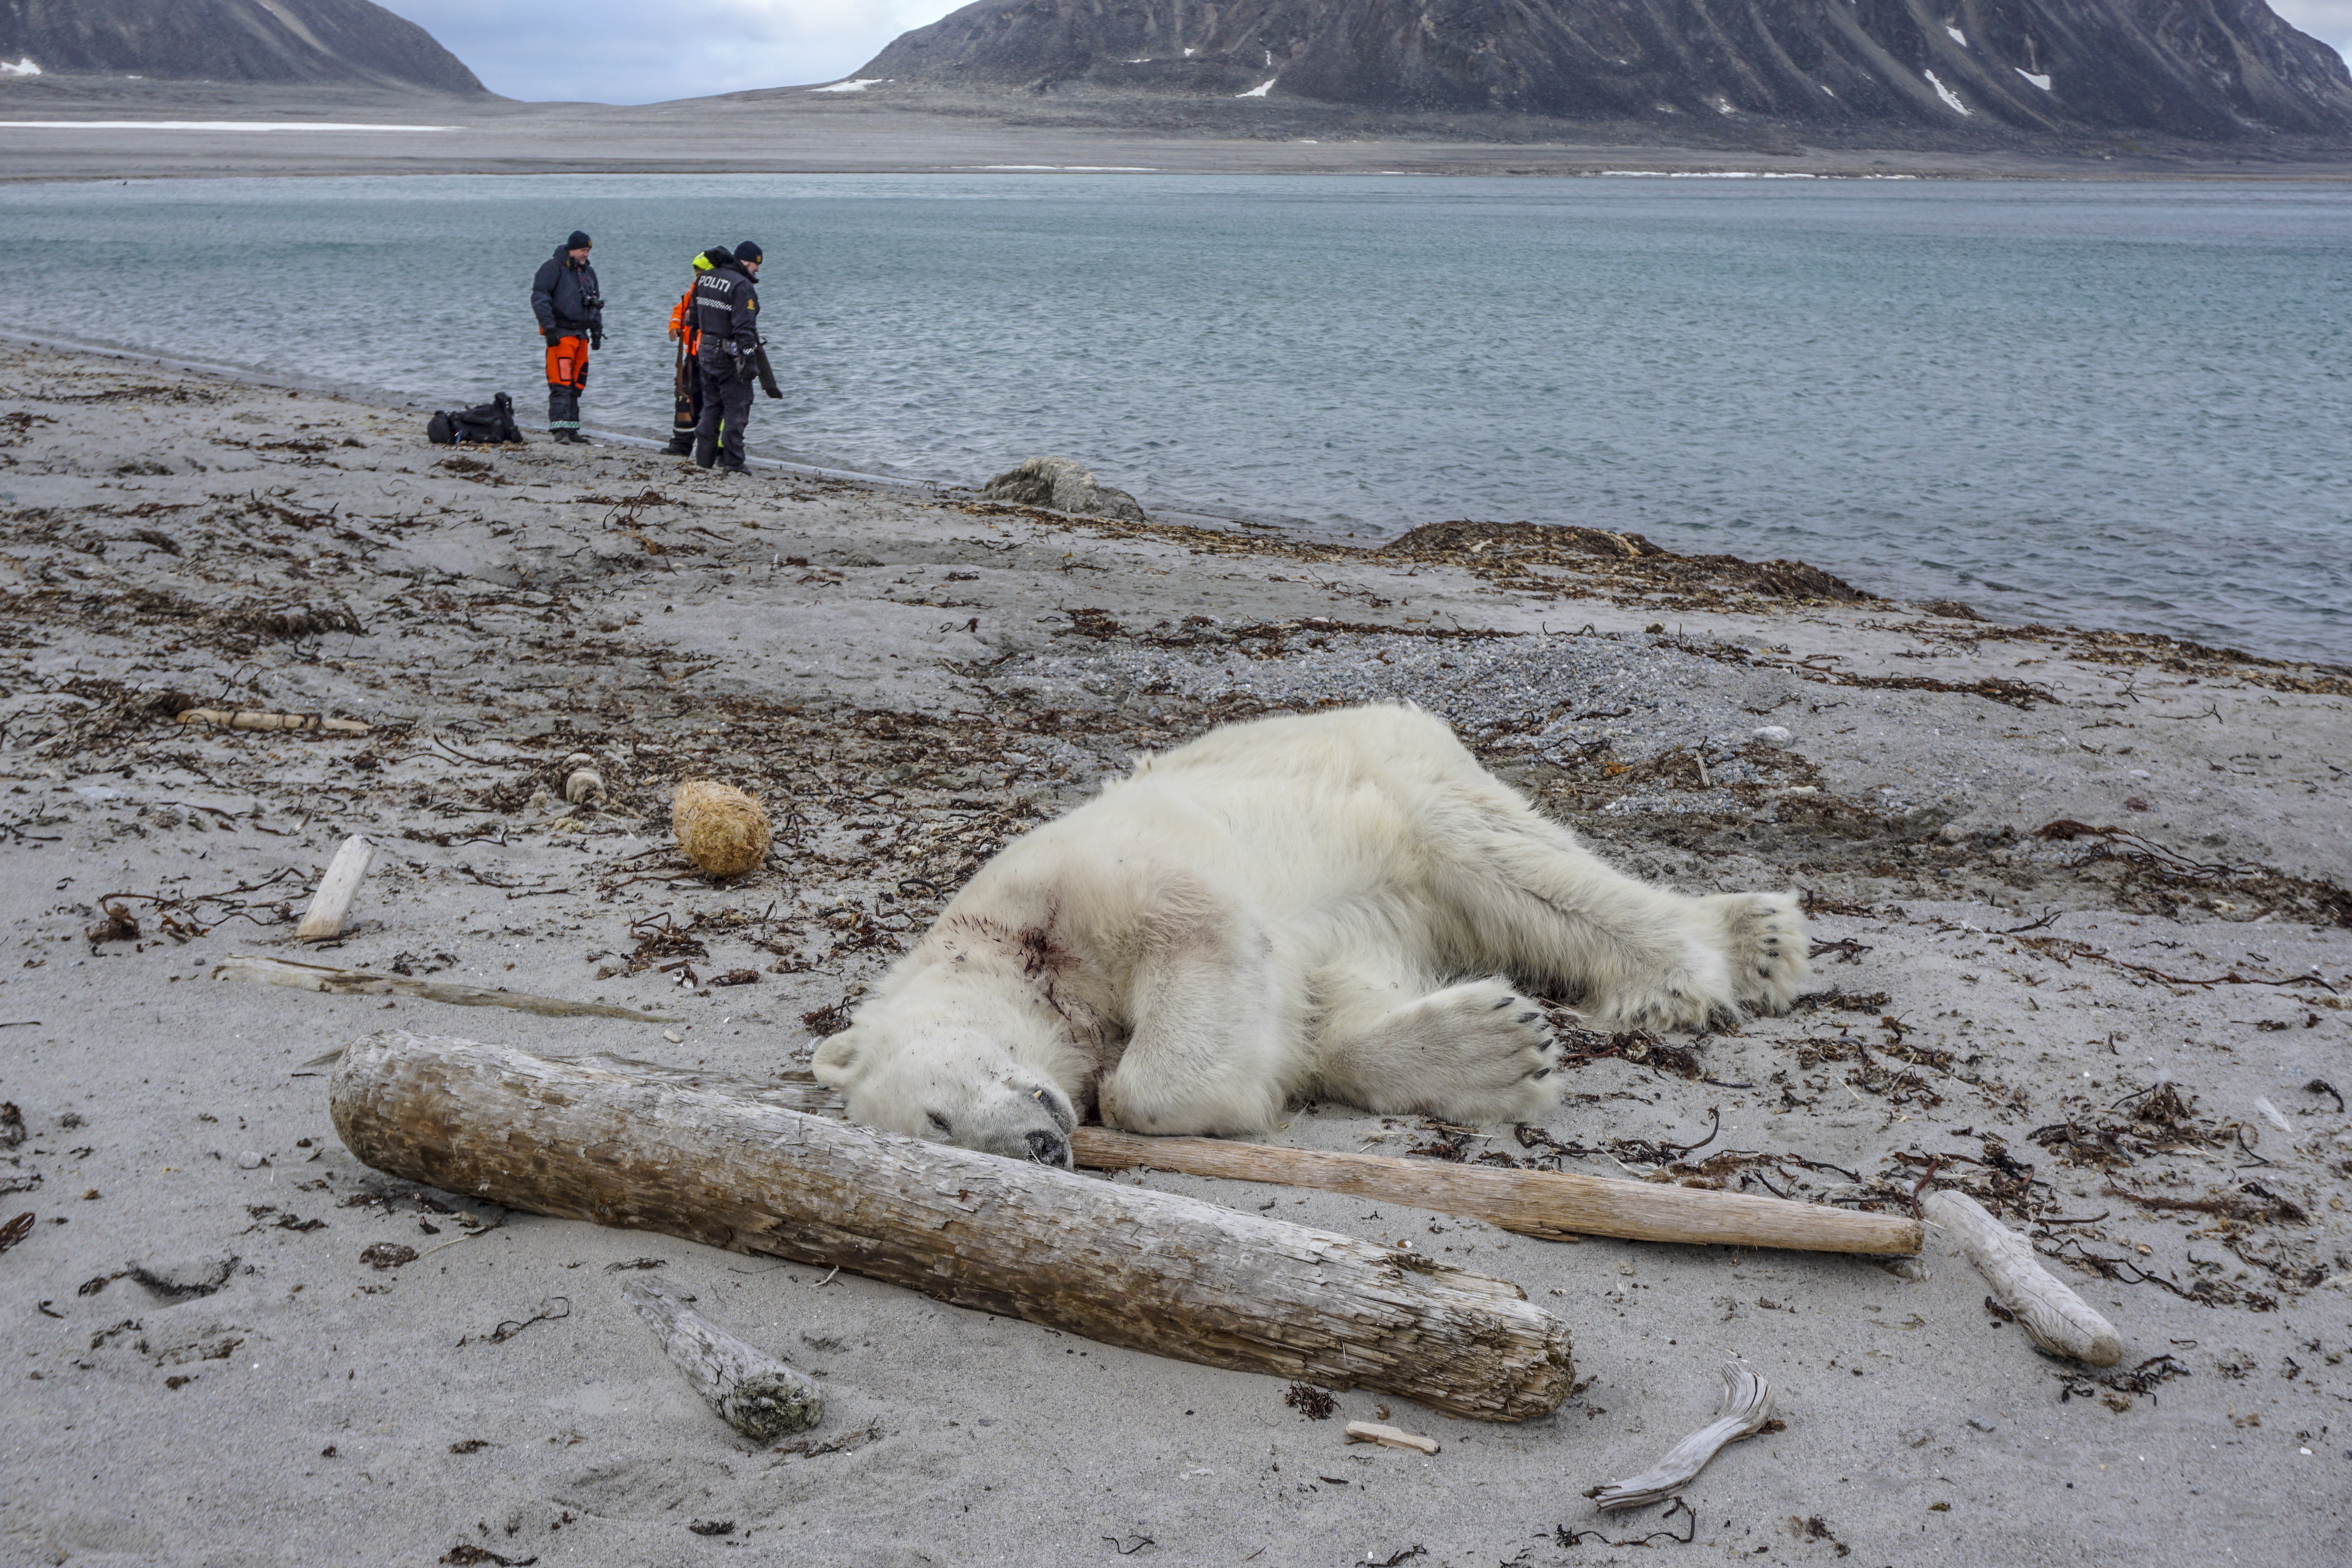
<point>1477,1051</point>
<point>1765,945</point>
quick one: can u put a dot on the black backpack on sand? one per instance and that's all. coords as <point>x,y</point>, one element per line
<point>489,423</point>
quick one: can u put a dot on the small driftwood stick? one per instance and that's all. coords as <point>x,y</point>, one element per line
<point>1747,1406</point>
<point>364,983</point>
<point>752,1391</point>
<point>1547,1204</point>
<point>247,719</point>
<point>2058,1320</point>
<point>1149,1270</point>
<point>324,919</point>
<point>1389,1437</point>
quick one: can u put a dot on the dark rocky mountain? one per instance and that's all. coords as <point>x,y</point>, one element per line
<point>230,41</point>
<point>2202,71</point>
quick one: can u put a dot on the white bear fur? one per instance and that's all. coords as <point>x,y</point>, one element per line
<point>1343,906</point>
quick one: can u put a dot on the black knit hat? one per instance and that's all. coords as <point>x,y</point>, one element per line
<point>579,240</point>
<point>747,250</point>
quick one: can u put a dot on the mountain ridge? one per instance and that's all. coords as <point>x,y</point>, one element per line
<point>232,41</point>
<point>1972,71</point>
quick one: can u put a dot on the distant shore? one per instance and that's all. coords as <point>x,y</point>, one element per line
<point>796,131</point>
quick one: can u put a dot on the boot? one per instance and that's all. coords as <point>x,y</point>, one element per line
<point>680,446</point>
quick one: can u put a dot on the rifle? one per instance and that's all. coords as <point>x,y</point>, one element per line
<point>682,391</point>
<point>767,375</point>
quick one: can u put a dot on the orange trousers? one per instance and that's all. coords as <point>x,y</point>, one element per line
<point>567,374</point>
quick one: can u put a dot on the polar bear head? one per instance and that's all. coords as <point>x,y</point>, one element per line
<point>951,1083</point>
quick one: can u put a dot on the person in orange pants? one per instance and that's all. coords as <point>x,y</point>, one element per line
<point>570,311</point>
<point>687,409</point>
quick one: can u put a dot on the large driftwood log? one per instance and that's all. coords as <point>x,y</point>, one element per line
<point>1549,1205</point>
<point>752,1391</point>
<point>1149,1270</point>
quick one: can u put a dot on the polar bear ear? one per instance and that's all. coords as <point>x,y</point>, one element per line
<point>837,1061</point>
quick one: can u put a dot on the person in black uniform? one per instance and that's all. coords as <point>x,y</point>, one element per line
<point>726,314</point>
<point>570,311</point>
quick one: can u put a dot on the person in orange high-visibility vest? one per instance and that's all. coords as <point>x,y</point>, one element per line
<point>687,382</point>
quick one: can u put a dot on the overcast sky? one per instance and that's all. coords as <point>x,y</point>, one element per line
<point>643,51</point>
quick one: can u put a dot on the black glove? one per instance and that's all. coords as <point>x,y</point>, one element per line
<point>596,338</point>
<point>552,336</point>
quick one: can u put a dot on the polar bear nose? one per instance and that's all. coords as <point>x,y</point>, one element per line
<point>1049,1149</point>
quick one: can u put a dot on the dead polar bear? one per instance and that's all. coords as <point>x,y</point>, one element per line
<point>1337,906</point>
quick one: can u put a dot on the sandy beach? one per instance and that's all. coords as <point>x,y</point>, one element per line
<point>2084,949</point>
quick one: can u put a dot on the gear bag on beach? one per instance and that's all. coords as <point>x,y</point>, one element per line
<point>490,422</point>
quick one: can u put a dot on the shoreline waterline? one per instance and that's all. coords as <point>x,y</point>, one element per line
<point>2096,405</point>
<point>944,488</point>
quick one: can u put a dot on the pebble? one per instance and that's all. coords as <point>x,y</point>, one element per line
<point>248,1161</point>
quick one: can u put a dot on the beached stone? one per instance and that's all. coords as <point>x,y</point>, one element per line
<point>1065,486</point>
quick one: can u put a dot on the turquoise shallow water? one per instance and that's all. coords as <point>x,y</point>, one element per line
<point>2113,404</point>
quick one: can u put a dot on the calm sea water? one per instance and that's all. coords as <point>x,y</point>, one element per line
<point>2113,404</point>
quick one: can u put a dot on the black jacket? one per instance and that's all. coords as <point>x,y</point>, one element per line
<point>726,312</point>
<point>564,297</point>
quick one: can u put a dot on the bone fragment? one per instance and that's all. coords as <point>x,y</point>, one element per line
<point>225,719</point>
<point>324,919</point>
<point>1747,1406</point>
<point>1390,1437</point>
<point>2059,1321</point>
<point>364,983</point>
<point>752,1391</point>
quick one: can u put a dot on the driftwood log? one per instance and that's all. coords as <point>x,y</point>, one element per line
<point>1147,1270</point>
<point>1549,1205</point>
<point>247,719</point>
<point>752,1391</point>
<point>2055,1318</point>
<point>366,983</point>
